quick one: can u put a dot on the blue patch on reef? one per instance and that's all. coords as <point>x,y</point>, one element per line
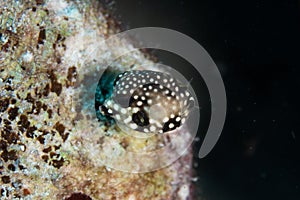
<point>104,91</point>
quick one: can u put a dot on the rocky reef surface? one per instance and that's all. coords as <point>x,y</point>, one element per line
<point>52,146</point>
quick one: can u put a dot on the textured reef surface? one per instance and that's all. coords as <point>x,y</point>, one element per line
<point>52,145</point>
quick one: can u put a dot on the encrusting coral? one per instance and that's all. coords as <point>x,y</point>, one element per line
<point>52,145</point>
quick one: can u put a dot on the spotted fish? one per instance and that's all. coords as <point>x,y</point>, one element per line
<point>148,101</point>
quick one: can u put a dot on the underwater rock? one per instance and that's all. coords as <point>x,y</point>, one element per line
<point>52,144</point>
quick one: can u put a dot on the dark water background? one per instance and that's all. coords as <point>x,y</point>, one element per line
<point>256,45</point>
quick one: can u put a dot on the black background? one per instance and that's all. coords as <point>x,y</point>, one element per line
<point>256,45</point>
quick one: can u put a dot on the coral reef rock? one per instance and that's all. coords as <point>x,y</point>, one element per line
<point>52,53</point>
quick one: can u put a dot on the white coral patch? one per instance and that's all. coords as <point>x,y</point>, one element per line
<point>183,192</point>
<point>27,57</point>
